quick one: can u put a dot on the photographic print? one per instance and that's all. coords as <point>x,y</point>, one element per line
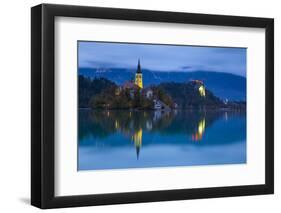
<point>178,106</point>
<point>159,105</point>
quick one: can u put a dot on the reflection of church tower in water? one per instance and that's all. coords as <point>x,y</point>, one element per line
<point>138,76</point>
<point>137,139</point>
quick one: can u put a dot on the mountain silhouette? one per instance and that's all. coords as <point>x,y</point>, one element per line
<point>223,85</point>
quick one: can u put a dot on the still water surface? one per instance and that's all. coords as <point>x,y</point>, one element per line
<point>139,139</point>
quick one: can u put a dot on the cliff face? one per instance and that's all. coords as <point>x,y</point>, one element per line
<point>189,94</point>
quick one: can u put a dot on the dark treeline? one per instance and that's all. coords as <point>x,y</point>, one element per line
<point>91,87</point>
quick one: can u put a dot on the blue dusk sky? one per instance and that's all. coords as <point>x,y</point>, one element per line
<point>105,55</point>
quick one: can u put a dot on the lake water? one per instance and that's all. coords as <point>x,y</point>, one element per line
<point>140,139</point>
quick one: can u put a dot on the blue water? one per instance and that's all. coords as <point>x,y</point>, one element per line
<point>140,139</point>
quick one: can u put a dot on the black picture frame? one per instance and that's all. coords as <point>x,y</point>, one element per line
<point>43,110</point>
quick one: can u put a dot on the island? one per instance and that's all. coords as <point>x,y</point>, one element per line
<point>101,93</point>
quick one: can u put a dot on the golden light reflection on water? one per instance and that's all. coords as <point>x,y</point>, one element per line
<point>197,136</point>
<point>116,124</point>
<point>135,132</point>
<point>137,139</point>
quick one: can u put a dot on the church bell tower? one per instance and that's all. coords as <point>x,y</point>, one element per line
<point>138,76</point>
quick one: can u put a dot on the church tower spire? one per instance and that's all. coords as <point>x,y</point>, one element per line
<point>138,76</point>
<point>139,67</point>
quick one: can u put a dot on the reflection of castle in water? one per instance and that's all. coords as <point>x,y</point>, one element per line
<point>197,136</point>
